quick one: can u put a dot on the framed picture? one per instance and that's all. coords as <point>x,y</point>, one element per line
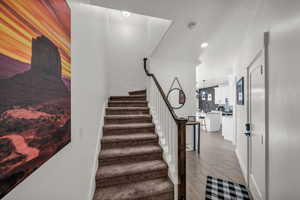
<point>209,97</point>
<point>240,91</point>
<point>191,118</point>
<point>203,95</point>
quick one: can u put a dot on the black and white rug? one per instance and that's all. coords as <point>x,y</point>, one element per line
<point>218,189</point>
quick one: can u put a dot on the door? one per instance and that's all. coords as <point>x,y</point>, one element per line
<point>256,117</point>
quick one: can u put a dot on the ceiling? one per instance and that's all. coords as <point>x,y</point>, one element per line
<point>221,23</point>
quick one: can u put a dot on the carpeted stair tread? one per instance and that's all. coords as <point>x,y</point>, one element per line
<point>145,190</point>
<point>125,96</point>
<point>128,98</point>
<point>127,119</point>
<point>125,116</point>
<point>137,92</point>
<point>127,103</point>
<point>127,126</point>
<point>117,174</point>
<point>129,169</point>
<point>129,151</point>
<point>123,138</point>
<point>127,108</point>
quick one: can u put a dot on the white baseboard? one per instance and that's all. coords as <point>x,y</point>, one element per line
<point>253,186</point>
<point>242,165</point>
<point>254,189</point>
<point>98,149</point>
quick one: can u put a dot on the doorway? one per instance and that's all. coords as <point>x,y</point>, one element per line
<point>257,119</point>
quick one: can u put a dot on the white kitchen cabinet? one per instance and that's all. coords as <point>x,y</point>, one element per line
<point>213,121</point>
<point>228,128</point>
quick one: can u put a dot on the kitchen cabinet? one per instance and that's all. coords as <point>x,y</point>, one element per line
<point>228,128</point>
<point>213,121</point>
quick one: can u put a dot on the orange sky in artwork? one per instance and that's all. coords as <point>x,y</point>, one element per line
<point>22,20</point>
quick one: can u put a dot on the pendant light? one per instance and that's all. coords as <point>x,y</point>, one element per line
<point>203,93</point>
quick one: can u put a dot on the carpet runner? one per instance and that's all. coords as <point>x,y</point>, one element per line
<point>130,162</point>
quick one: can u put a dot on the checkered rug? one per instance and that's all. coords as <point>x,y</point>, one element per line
<point>218,189</point>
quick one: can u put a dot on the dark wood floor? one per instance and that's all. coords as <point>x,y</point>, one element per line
<point>217,158</point>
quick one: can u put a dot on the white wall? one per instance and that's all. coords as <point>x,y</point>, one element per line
<point>284,110</point>
<point>131,39</point>
<point>166,71</point>
<point>157,31</point>
<point>69,174</point>
<point>284,149</point>
<point>128,43</point>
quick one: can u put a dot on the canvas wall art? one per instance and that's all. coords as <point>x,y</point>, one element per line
<point>35,77</point>
<point>240,91</point>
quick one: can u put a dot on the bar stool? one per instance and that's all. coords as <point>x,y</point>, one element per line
<point>203,122</point>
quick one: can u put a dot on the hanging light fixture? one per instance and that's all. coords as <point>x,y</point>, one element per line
<point>203,93</point>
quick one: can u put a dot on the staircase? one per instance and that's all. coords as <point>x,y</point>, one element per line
<point>130,162</point>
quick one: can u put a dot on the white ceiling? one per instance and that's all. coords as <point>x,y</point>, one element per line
<point>221,23</point>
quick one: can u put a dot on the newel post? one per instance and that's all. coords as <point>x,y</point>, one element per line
<point>182,159</point>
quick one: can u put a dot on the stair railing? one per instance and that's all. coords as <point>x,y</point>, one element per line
<point>172,133</point>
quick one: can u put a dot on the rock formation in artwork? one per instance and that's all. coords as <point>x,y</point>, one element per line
<point>45,57</point>
<point>41,83</point>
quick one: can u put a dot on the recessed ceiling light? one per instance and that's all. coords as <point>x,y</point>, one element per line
<point>126,13</point>
<point>204,45</point>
